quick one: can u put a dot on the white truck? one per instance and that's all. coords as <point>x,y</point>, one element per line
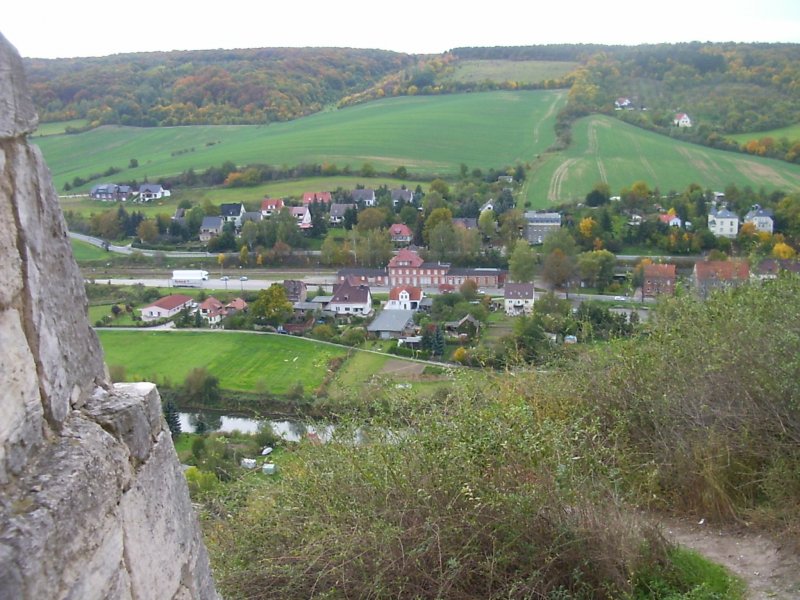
<point>193,278</point>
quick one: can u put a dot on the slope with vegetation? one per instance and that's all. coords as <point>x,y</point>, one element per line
<point>529,485</point>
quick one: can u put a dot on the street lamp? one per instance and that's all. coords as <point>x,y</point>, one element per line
<point>225,279</point>
<point>242,279</point>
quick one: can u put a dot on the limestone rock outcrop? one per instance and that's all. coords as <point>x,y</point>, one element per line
<point>93,503</point>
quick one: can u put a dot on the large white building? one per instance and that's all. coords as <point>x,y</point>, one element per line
<point>723,223</point>
<point>761,218</point>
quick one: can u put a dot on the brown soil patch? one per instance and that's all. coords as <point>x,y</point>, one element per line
<point>770,568</point>
<point>402,367</point>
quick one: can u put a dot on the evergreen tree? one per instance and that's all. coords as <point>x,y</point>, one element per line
<point>438,342</point>
<point>173,420</point>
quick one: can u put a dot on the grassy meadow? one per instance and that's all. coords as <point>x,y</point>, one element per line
<point>522,71</point>
<point>605,149</point>
<point>792,132</point>
<point>247,362</point>
<point>427,135</point>
<point>241,361</point>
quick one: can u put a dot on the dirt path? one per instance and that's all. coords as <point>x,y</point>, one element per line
<point>770,568</point>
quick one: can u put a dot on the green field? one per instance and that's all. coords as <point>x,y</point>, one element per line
<point>58,128</point>
<point>429,135</point>
<point>791,133</point>
<point>605,149</point>
<point>250,196</point>
<point>521,71</point>
<point>84,251</point>
<point>241,361</point>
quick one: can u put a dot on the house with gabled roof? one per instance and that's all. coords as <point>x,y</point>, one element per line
<point>111,191</point>
<point>270,206</point>
<point>212,310</point>
<point>365,197</point>
<point>682,120</point>
<point>404,297</point>
<point>401,195</point>
<point>152,191</point>
<point>336,216</point>
<point>319,197</point>
<point>391,324</point>
<point>232,213</point>
<point>518,298</point>
<point>401,234</point>
<point>658,280</point>
<point>302,216</point>
<point>210,228</point>
<point>622,102</point>
<point>711,275</point>
<point>351,298</point>
<point>670,220</point>
<point>166,307</point>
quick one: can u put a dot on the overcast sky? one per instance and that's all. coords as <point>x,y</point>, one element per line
<point>60,28</point>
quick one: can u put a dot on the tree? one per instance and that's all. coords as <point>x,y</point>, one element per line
<point>597,268</point>
<point>558,268</point>
<point>469,289</point>
<point>244,256</point>
<point>442,240</point>
<point>512,224</point>
<point>436,216</point>
<point>371,218</point>
<point>522,262</point>
<point>272,305</point>
<point>487,225</point>
<point>172,418</point>
<point>374,248</point>
<point>250,234</point>
<point>562,240</point>
<point>437,343</point>
<point>783,250</point>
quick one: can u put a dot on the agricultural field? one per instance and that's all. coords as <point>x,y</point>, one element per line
<point>428,135</point>
<point>58,128</point>
<point>241,361</point>
<point>790,133</point>
<point>605,149</point>
<point>521,71</point>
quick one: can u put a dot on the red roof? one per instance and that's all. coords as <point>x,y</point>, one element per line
<point>310,197</point>
<point>237,304</point>
<point>724,270</point>
<point>406,258</point>
<point>172,301</point>
<point>400,230</point>
<point>209,304</point>
<point>659,271</point>
<point>272,204</point>
<point>414,293</point>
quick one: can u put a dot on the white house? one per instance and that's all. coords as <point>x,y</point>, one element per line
<point>152,191</point>
<point>302,215</point>
<point>166,307</point>
<point>723,223</point>
<point>232,213</point>
<point>682,120</point>
<point>351,298</point>
<point>270,206</point>
<point>365,197</point>
<point>405,297</point>
<point>518,298</point>
<point>761,218</point>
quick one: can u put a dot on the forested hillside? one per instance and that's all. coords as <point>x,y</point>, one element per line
<point>204,87</point>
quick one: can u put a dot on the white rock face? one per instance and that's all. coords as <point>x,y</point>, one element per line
<point>93,503</point>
